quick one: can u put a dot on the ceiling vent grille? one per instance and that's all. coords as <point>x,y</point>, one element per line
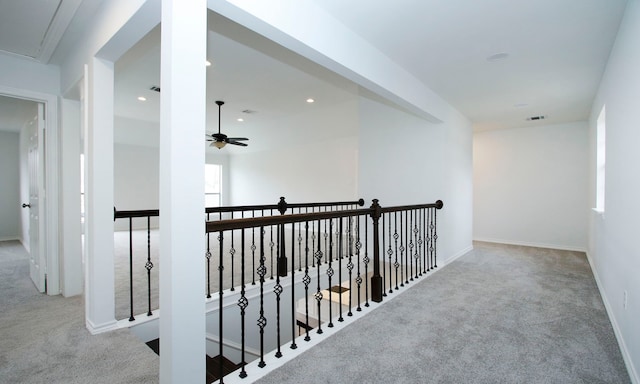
<point>155,88</point>
<point>535,118</point>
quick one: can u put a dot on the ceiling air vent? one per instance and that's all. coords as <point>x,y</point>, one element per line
<point>248,111</point>
<point>155,88</point>
<point>535,118</point>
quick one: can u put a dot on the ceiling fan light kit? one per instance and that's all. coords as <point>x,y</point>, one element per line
<point>219,140</point>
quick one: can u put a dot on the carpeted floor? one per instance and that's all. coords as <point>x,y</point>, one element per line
<point>500,314</point>
<point>43,338</point>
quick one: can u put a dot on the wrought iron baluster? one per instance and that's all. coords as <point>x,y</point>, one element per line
<point>350,262</point>
<point>330,273</point>
<point>149,264</point>
<point>384,268</point>
<point>318,295</point>
<point>390,252</point>
<point>262,321</point>
<point>435,238</point>
<point>220,304</point>
<point>397,236</point>
<point>242,303</point>
<point>366,260</point>
<point>253,252</point>
<point>232,252</point>
<point>340,253</point>
<point>208,257</point>
<point>416,254</point>
<point>271,245</point>
<point>358,275</point>
<point>293,286</point>
<point>306,280</point>
<point>407,255</point>
<point>299,245</point>
<point>131,318</point>
<point>277,289</point>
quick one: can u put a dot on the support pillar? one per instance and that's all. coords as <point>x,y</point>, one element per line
<point>99,272</point>
<point>182,159</point>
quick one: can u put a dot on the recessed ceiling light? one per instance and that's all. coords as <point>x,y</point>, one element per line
<point>240,119</point>
<point>498,56</point>
<point>142,98</point>
<point>208,63</point>
<point>310,100</point>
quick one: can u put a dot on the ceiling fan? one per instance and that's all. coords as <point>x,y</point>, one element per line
<point>219,140</point>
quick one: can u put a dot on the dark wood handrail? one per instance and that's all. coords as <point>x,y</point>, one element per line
<point>281,206</point>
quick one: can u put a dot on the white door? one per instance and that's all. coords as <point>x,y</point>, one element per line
<point>38,262</point>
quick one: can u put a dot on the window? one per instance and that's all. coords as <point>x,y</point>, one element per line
<point>212,185</point>
<point>600,160</point>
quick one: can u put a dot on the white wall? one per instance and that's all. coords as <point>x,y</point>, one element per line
<point>317,160</point>
<point>136,180</point>
<point>614,250</point>
<point>531,186</point>
<point>10,186</point>
<point>404,159</point>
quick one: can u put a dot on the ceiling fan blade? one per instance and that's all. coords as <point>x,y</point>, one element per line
<point>237,138</point>
<point>236,143</point>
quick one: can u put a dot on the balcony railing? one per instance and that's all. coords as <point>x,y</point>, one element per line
<point>286,272</point>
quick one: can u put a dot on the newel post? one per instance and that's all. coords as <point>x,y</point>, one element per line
<point>376,279</point>
<point>282,257</point>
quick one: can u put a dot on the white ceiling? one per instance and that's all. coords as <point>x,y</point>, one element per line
<point>557,50</point>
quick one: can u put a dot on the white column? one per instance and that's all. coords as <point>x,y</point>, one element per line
<point>99,273</point>
<point>69,212</point>
<point>182,130</point>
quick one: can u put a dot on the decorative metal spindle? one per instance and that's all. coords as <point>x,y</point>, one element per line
<point>232,252</point>
<point>330,273</point>
<point>277,289</point>
<point>420,255</point>
<point>253,252</point>
<point>425,240</point>
<point>415,246</point>
<point>313,242</point>
<point>358,276</point>
<point>384,269</point>
<point>366,260</point>
<point>299,246</point>
<point>208,257</point>
<point>326,241</point>
<point>435,238</point>
<point>293,286</point>
<point>149,264</point>
<point>271,245</point>
<point>262,321</point>
<point>428,239</point>
<point>306,279</point>
<point>391,252</point>
<point>131,318</point>
<point>242,303</point>
<point>220,304</point>
<point>340,253</point>
<point>405,233</point>
<point>397,236</point>
<point>350,263</point>
<point>318,294</point>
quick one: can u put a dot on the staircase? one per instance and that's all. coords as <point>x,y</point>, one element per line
<point>213,363</point>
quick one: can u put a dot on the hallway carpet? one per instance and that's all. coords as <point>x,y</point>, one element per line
<point>43,338</point>
<point>499,314</point>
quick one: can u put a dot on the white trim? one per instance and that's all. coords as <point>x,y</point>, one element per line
<point>11,238</point>
<point>457,256</point>
<point>626,356</point>
<point>96,329</point>
<point>50,223</point>
<point>532,244</point>
<point>233,345</point>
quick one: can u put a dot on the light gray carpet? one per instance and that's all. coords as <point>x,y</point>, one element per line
<point>500,314</point>
<point>43,339</point>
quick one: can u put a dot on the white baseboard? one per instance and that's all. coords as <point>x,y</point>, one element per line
<point>9,238</point>
<point>453,258</point>
<point>631,369</point>
<point>532,244</point>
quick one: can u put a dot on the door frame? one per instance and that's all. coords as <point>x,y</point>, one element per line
<point>49,202</point>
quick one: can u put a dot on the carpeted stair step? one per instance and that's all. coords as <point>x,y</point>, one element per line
<point>213,366</point>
